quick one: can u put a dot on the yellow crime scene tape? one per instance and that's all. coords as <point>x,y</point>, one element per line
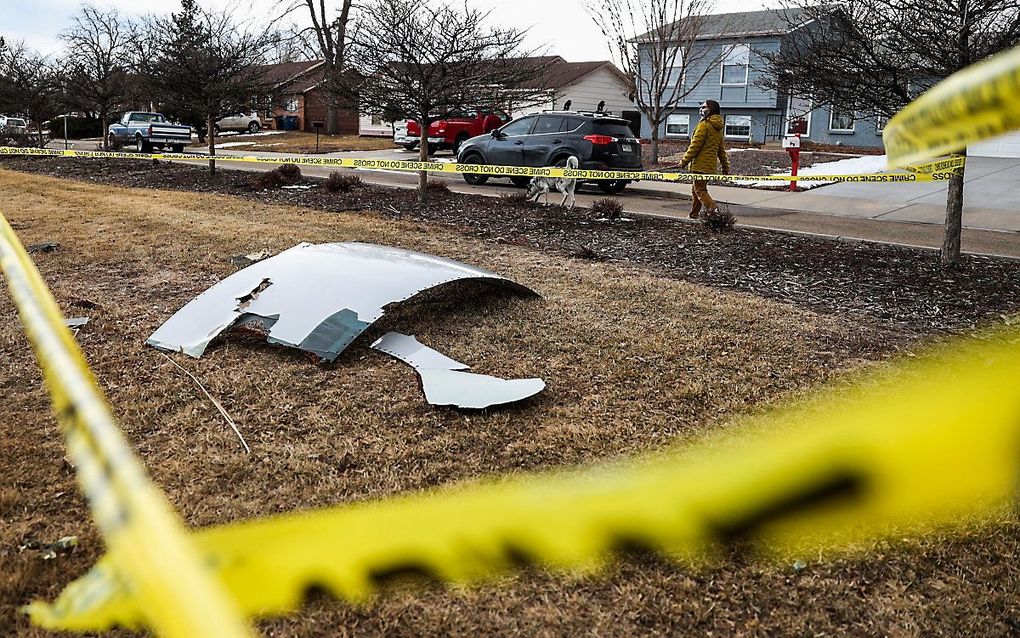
<point>977,103</point>
<point>929,172</point>
<point>150,552</point>
<point>937,442</point>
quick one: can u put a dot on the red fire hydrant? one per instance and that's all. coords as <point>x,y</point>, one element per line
<point>792,145</point>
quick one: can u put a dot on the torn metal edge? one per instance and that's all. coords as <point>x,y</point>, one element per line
<point>445,382</point>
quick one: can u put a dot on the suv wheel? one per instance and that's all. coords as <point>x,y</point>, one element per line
<point>112,142</point>
<point>432,148</point>
<point>457,143</point>
<point>612,186</point>
<point>254,127</point>
<point>475,179</point>
<point>411,147</point>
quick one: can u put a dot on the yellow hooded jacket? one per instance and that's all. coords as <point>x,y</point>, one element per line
<point>706,146</point>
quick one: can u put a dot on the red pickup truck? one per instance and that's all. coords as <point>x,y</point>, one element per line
<point>453,130</point>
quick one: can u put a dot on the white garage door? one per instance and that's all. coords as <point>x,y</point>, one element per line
<point>1007,145</point>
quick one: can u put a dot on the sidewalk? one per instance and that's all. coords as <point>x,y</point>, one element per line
<point>991,198</point>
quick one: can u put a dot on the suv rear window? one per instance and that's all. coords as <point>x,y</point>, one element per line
<point>616,128</point>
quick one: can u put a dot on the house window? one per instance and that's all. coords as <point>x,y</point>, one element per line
<point>738,126</point>
<point>798,117</point>
<point>880,123</point>
<point>376,120</point>
<point>290,105</point>
<point>675,60</point>
<point>841,121</point>
<point>734,66</point>
<point>678,125</point>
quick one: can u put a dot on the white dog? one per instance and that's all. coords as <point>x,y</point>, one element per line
<point>542,185</point>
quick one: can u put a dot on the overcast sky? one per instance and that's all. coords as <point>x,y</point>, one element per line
<point>559,27</point>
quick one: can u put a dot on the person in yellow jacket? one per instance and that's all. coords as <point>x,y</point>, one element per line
<point>705,148</point>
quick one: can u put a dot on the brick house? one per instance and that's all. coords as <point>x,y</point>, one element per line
<point>298,93</point>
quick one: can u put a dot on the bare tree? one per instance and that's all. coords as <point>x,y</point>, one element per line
<point>29,84</point>
<point>433,59</point>
<point>327,39</point>
<point>200,65</point>
<point>655,42</point>
<point>876,56</point>
<point>97,66</point>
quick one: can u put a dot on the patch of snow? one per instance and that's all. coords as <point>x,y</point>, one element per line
<point>247,134</point>
<point>863,165</point>
<point>233,144</point>
<point>298,187</point>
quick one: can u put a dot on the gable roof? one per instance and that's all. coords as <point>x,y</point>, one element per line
<point>747,23</point>
<point>285,72</point>
<point>560,73</point>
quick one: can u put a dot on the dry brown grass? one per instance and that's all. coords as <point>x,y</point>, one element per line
<point>633,361</point>
<point>302,142</point>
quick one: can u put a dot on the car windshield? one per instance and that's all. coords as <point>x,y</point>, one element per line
<point>616,128</point>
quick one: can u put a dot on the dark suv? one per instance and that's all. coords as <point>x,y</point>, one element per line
<point>600,142</point>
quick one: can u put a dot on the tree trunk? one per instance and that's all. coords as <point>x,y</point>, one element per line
<point>954,219</point>
<point>655,143</point>
<point>423,155</point>
<point>105,127</point>
<point>331,120</point>
<point>212,144</point>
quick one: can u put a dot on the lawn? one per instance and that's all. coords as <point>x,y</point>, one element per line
<point>635,360</point>
<point>301,142</point>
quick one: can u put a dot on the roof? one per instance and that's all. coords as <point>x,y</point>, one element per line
<point>560,73</point>
<point>279,74</point>
<point>748,23</point>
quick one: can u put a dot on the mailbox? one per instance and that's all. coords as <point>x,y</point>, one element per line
<point>317,124</point>
<point>791,141</point>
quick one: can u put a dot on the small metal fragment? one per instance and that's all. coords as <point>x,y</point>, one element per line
<point>43,247</point>
<point>444,381</point>
<point>76,322</point>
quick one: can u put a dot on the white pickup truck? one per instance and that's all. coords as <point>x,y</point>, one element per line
<point>147,131</point>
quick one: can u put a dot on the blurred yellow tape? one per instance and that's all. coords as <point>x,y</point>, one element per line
<point>977,103</point>
<point>932,171</point>
<point>150,554</point>
<point>932,443</point>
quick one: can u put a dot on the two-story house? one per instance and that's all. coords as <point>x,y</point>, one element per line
<point>732,44</point>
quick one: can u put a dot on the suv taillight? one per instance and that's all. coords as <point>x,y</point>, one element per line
<point>441,127</point>
<point>600,140</point>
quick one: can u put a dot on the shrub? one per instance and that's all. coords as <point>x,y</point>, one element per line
<point>77,127</point>
<point>514,199</point>
<point>717,219</point>
<point>338,182</point>
<point>437,186</point>
<point>290,173</point>
<point>607,207</point>
<point>284,175</point>
<point>267,180</point>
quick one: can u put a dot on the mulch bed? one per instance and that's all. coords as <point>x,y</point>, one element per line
<point>902,288</point>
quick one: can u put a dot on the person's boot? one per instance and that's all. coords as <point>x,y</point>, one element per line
<point>693,214</point>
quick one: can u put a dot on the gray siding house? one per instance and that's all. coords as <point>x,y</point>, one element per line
<point>733,45</point>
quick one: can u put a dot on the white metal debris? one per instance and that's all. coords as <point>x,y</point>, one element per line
<point>445,382</point>
<point>316,297</point>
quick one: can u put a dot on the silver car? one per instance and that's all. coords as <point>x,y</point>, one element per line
<point>250,123</point>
